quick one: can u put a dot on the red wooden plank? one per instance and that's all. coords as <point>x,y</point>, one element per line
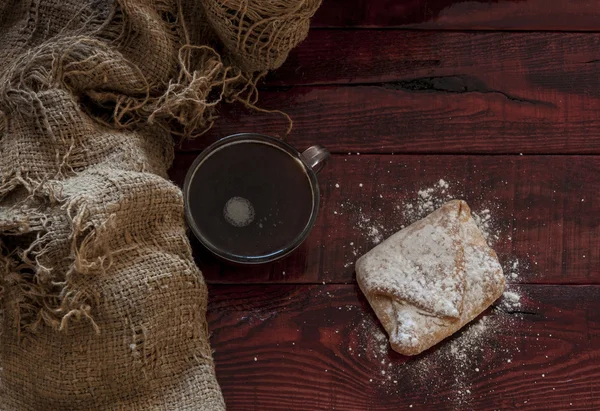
<point>544,211</point>
<point>321,348</point>
<point>521,64</point>
<point>435,92</point>
<point>461,14</point>
<point>456,114</point>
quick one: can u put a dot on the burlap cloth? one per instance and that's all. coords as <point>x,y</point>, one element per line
<point>101,305</point>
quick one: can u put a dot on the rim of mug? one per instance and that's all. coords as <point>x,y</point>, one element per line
<point>251,137</point>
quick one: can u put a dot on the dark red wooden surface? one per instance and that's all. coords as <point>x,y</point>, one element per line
<point>433,92</point>
<point>461,14</point>
<point>318,348</point>
<point>526,65</point>
<point>511,121</point>
<point>377,119</point>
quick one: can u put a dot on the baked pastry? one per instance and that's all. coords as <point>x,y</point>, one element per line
<point>428,280</point>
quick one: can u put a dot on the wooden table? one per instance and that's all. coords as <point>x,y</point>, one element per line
<point>501,100</point>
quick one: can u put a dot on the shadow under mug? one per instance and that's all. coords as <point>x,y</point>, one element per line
<point>251,198</point>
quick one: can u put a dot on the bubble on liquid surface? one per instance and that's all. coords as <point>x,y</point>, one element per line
<point>238,212</point>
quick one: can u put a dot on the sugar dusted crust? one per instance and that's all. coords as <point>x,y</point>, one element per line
<point>430,279</point>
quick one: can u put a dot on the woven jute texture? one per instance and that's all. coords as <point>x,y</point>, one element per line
<point>101,304</point>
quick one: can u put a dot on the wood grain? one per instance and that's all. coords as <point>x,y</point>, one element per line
<point>376,119</point>
<point>461,14</point>
<point>544,211</point>
<point>468,105</point>
<point>526,65</point>
<point>433,92</point>
<point>291,347</point>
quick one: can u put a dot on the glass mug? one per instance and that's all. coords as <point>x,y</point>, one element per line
<point>251,198</point>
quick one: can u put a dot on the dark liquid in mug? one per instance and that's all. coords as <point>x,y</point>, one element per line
<point>250,199</point>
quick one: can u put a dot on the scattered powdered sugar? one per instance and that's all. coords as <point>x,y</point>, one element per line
<point>466,353</point>
<point>374,235</point>
<point>370,229</point>
<point>428,200</point>
<point>514,274</point>
<point>512,270</point>
<point>510,300</point>
<point>382,342</point>
<point>374,344</point>
<point>367,226</point>
<point>483,219</point>
<point>431,198</point>
<point>460,348</point>
<point>448,368</point>
<point>376,225</point>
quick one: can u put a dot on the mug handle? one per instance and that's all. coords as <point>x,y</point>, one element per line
<point>315,157</point>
